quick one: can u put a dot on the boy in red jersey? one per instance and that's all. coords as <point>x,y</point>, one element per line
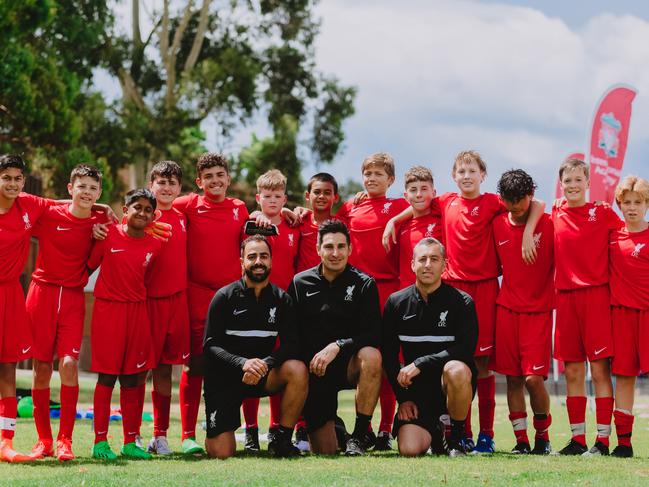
<point>366,221</point>
<point>19,212</point>
<point>167,301</point>
<point>420,191</point>
<point>56,305</point>
<point>214,229</point>
<point>629,267</point>
<point>271,197</point>
<point>583,325</point>
<point>321,194</point>
<point>472,267</point>
<point>523,342</point>
<point>121,333</point>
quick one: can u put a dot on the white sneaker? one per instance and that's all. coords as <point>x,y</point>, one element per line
<point>159,445</point>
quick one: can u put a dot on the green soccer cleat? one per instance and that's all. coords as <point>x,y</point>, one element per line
<point>131,450</point>
<point>102,451</point>
<point>190,447</point>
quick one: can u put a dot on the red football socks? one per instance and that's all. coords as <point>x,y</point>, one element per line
<point>101,404</point>
<point>161,412</point>
<point>190,400</point>
<point>275,410</point>
<point>604,414</point>
<point>468,432</point>
<point>519,423</point>
<point>8,410</point>
<point>388,403</point>
<point>577,416</point>
<point>129,402</point>
<point>69,399</point>
<point>41,400</point>
<point>542,424</point>
<point>250,406</point>
<point>623,427</point>
<point>487,404</point>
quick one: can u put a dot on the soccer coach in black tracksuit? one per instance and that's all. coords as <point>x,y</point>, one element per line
<point>339,326</point>
<point>436,327</point>
<point>244,321</point>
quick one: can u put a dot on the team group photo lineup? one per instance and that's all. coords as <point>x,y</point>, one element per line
<point>413,303</point>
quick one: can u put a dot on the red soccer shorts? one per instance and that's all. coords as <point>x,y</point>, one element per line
<point>15,332</point>
<point>169,318</point>
<point>484,294</point>
<point>386,288</point>
<point>199,299</point>
<point>121,338</point>
<point>523,343</point>
<point>56,315</point>
<point>631,338</point>
<point>583,327</point>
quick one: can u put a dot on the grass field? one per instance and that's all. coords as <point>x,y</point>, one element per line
<point>375,469</point>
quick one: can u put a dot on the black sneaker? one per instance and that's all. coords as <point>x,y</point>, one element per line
<point>573,448</point>
<point>283,448</point>
<point>302,439</point>
<point>599,449</point>
<point>383,441</point>
<point>541,447</point>
<point>521,448</point>
<point>251,444</point>
<point>341,433</point>
<point>273,435</point>
<point>369,440</point>
<point>622,451</point>
<point>455,449</point>
<point>467,444</point>
<point>354,447</point>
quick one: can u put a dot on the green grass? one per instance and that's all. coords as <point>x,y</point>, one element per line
<point>373,470</point>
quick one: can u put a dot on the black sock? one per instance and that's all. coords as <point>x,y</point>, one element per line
<point>285,433</point>
<point>457,429</point>
<point>361,426</point>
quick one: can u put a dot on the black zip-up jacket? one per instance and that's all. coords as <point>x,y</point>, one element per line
<point>430,333</point>
<point>346,309</point>
<point>239,326</point>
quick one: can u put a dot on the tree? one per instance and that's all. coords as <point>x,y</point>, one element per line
<point>221,65</point>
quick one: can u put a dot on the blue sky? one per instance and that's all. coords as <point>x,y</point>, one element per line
<point>517,81</point>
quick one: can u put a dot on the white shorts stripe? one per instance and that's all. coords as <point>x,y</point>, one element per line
<point>427,338</point>
<point>251,333</point>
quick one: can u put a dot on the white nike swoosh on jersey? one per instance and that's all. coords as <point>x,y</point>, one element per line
<point>25,350</point>
<point>503,242</point>
<point>482,349</point>
<point>185,355</point>
<point>308,294</point>
<point>74,350</point>
<point>203,211</point>
<point>408,317</point>
<point>139,366</point>
<point>114,251</point>
<point>237,312</point>
<point>62,228</point>
<point>597,352</point>
<point>307,233</point>
<point>537,367</point>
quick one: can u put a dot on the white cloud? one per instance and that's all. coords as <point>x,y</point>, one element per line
<point>438,77</point>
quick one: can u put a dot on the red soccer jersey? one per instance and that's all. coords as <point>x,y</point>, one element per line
<point>307,256</point>
<point>125,262</point>
<point>366,222</point>
<point>213,239</point>
<point>629,254</point>
<point>168,274</point>
<point>65,242</point>
<point>285,248</point>
<point>468,236</point>
<point>16,227</point>
<point>410,233</point>
<point>581,244</point>
<point>525,288</point>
